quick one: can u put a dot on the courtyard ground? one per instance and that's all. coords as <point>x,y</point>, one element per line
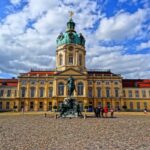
<point>32,131</point>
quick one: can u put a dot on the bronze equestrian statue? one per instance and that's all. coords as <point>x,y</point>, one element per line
<point>69,106</point>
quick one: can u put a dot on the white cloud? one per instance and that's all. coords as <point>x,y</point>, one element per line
<point>28,37</point>
<point>15,2</point>
<point>144,45</point>
<point>36,8</point>
<point>121,26</point>
<point>128,65</point>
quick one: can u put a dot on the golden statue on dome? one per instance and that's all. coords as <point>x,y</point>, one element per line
<point>71,13</point>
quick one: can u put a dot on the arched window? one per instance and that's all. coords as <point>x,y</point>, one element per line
<point>41,92</point>
<point>70,59</point>
<point>61,88</point>
<point>80,88</point>
<point>32,92</point>
<point>50,92</point>
<point>60,59</point>
<point>23,92</point>
<point>80,60</point>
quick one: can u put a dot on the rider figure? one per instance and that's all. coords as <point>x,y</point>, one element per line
<point>71,85</point>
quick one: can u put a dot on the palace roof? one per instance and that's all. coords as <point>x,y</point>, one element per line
<point>136,83</point>
<point>9,82</point>
<point>98,72</point>
<point>39,73</point>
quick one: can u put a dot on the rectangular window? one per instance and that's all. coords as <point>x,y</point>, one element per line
<point>107,82</point>
<point>32,92</point>
<point>130,93</point>
<point>42,82</point>
<point>51,82</point>
<point>131,105</point>
<point>80,60</point>
<point>143,93</point>
<point>31,105</point>
<point>23,82</point>
<point>138,105</point>
<point>23,92</point>
<point>7,105</point>
<point>1,93</point>
<point>80,89</point>
<point>1,105</point>
<point>90,82</point>
<point>107,92</point>
<point>98,92</point>
<point>116,92</point>
<point>41,105</point>
<point>98,82</point>
<point>116,82</point>
<point>71,59</point>
<point>136,93</point>
<point>15,93</point>
<point>90,94</point>
<point>124,93</point>
<point>61,88</point>
<point>8,93</point>
<point>41,92</point>
<point>32,82</point>
<point>50,92</point>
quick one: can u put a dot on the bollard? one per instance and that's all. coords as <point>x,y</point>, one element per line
<point>84,116</point>
<point>45,115</point>
<point>56,116</point>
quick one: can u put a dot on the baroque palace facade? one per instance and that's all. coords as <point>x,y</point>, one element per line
<point>39,90</point>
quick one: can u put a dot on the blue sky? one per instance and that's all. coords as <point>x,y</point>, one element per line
<point>117,34</point>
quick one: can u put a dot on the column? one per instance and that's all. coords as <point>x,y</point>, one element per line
<point>45,107</point>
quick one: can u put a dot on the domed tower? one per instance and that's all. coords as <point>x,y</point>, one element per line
<point>70,51</point>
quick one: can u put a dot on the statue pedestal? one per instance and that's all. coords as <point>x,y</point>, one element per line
<point>70,108</point>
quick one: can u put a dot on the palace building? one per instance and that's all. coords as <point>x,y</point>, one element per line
<point>39,90</point>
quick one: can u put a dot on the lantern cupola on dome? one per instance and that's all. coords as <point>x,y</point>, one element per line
<point>70,36</point>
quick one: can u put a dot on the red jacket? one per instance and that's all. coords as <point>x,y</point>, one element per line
<point>105,109</point>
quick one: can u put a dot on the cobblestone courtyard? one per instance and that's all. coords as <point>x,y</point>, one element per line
<point>35,132</point>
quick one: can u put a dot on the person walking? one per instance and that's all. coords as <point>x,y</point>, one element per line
<point>102,112</point>
<point>97,112</point>
<point>106,111</point>
<point>145,111</point>
<point>111,112</point>
<point>78,110</point>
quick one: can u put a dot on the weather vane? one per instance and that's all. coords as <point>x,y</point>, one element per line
<point>71,13</point>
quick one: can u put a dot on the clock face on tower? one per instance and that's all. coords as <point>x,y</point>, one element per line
<point>70,48</point>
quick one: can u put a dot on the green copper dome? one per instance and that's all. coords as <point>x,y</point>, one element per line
<point>70,36</point>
